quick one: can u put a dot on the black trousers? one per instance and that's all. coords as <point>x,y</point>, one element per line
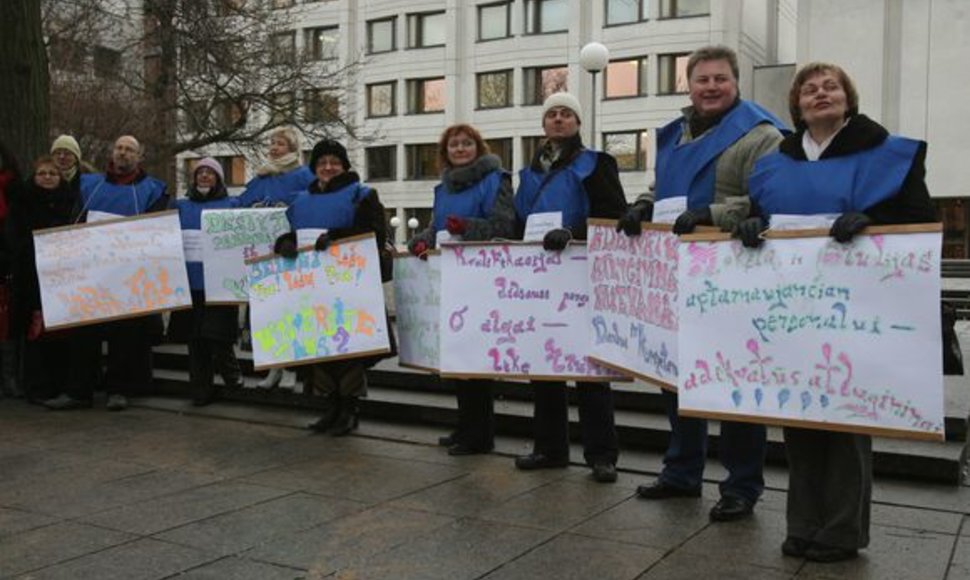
<point>47,368</point>
<point>551,420</point>
<point>206,357</point>
<point>476,412</point>
<point>829,487</point>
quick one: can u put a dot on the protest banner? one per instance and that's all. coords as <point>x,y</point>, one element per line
<point>809,332</point>
<point>229,238</point>
<point>113,269</point>
<point>417,301</point>
<point>320,306</point>
<point>514,310</point>
<point>633,315</point>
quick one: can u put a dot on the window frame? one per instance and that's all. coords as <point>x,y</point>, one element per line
<point>419,18</point>
<point>643,14</point>
<point>533,74</point>
<point>535,6</point>
<point>311,43</point>
<point>370,34</point>
<point>368,151</point>
<point>643,69</point>
<point>414,97</point>
<point>529,151</point>
<point>506,141</point>
<point>660,72</point>
<point>508,21</point>
<point>315,106</point>
<point>367,96</point>
<point>642,152</point>
<point>664,7</point>
<point>508,89</point>
<point>410,173</point>
<point>289,55</point>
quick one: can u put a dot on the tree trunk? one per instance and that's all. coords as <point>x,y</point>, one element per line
<point>161,87</point>
<point>24,100</point>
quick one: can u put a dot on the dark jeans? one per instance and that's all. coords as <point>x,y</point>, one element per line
<point>476,413</point>
<point>829,487</point>
<point>741,451</point>
<point>551,418</point>
<point>206,357</point>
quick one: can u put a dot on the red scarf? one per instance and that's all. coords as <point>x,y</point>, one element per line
<point>123,178</point>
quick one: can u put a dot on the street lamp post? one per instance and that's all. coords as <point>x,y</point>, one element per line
<point>594,57</point>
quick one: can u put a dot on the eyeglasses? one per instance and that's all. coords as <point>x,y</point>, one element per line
<point>47,174</point>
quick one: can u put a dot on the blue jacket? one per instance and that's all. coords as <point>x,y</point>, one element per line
<point>99,194</point>
<point>276,188</point>
<point>190,216</point>
<point>475,201</point>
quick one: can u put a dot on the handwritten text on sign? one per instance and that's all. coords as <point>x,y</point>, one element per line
<point>515,310</point>
<point>810,330</point>
<point>115,269</point>
<point>417,299</point>
<point>229,238</point>
<point>633,315</point>
<point>322,305</point>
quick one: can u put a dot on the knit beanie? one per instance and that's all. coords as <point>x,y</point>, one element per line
<point>69,143</point>
<point>562,100</point>
<point>329,147</point>
<point>211,164</point>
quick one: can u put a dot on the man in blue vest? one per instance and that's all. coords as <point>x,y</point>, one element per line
<point>706,156</point>
<point>124,189</point>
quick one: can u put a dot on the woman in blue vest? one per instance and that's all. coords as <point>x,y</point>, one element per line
<point>339,203</point>
<point>473,202</point>
<point>838,162</point>
<point>579,183</point>
<point>210,331</point>
<point>276,181</point>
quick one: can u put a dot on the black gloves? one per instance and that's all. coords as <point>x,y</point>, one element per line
<point>690,219</point>
<point>556,240</point>
<point>322,243</point>
<point>749,232</point>
<point>641,211</point>
<point>848,225</point>
<point>286,246</point>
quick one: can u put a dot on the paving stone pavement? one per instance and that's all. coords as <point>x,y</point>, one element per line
<point>149,494</point>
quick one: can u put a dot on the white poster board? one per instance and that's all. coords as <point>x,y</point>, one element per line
<point>112,269</point>
<point>417,302</point>
<point>514,310</point>
<point>633,288</point>
<point>809,332</point>
<point>230,237</point>
<point>320,306</point>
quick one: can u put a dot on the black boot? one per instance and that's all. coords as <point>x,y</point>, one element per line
<point>330,411</point>
<point>347,418</point>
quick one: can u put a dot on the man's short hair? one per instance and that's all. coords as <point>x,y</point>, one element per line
<point>719,52</point>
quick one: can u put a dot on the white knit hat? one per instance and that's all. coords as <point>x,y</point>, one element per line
<point>212,164</point>
<point>562,100</point>
<point>67,143</point>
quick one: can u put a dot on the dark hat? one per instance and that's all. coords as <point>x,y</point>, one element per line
<point>329,147</point>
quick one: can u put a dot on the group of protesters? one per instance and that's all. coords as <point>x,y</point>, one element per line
<point>734,162</point>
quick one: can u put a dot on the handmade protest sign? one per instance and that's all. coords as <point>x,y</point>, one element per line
<point>417,301</point>
<point>229,237</point>
<point>633,289</point>
<point>112,269</point>
<point>809,332</point>
<point>514,310</point>
<point>320,306</point>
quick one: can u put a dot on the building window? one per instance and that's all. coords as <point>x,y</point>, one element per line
<point>625,11</point>
<point>321,106</point>
<point>673,74</point>
<point>495,89</point>
<point>424,215</point>
<point>546,16</point>
<point>381,99</point>
<point>426,95</point>
<point>503,149</point>
<point>422,161</point>
<point>282,46</point>
<point>542,82</point>
<point>322,43</point>
<point>427,29</point>
<point>628,148</point>
<point>67,54</point>
<point>626,78</point>
<point>277,4</point>
<point>107,62</point>
<point>229,113</point>
<point>684,8</point>
<point>381,163</point>
<point>530,145</point>
<point>495,21</point>
<point>282,107</point>
<point>234,168</point>
<point>380,35</point>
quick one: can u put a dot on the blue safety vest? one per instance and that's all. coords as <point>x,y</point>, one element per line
<point>99,194</point>
<point>475,201</point>
<point>333,209</point>
<point>559,190</point>
<point>190,217</point>
<point>280,187</point>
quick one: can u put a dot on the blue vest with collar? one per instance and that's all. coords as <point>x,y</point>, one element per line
<point>783,185</point>
<point>475,201</point>
<point>277,188</point>
<point>689,168</point>
<point>190,217</point>
<point>330,210</point>
<point>99,194</point>
<point>559,190</point>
